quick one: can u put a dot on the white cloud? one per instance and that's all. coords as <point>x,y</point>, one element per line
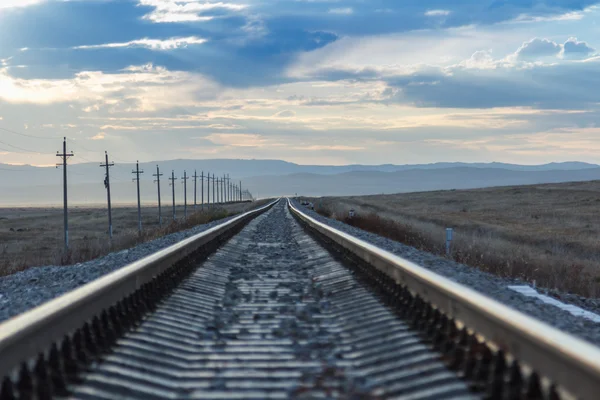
<point>18,3</point>
<point>481,59</point>
<point>575,49</point>
<point>341,11</point>
<point>99,136</point>
<point>136,88</point>
<point>237,139</point>
<point>185,10</point>
<point>537,47</point>
<point>285,114</point>
<point>153,44</point>
<point>437,13</point>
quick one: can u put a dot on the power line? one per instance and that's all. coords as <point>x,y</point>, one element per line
<point>26,135</point>
<point>83,147</point>
<point>19,148</point>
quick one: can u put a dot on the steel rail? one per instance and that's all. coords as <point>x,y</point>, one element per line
<point>26,335</point>
<point>566,360</point>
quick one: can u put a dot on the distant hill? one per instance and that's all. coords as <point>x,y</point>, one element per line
<point>374,182</point>
<point>42,185</point>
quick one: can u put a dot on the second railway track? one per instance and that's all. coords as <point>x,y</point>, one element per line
<point>272,313</point>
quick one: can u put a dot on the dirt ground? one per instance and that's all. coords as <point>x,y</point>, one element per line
<point>34,236</point>
<point>549,231</point>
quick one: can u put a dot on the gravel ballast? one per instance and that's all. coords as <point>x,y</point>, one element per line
<point>30,288</point>
<point>488,284</point>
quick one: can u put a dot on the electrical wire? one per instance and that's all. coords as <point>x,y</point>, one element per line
<point>26,135</point>
<point>19,148</point>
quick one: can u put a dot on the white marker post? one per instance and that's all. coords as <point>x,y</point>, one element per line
<point>448,240</point>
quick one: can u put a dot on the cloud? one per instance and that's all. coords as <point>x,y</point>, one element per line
<point>237,139</point>
<point>153,44</point>
<point>18,3</point>
<point>99,136</point>
<point>575,49</point>
<point>561,86</point>
<point>437,13</point>
<point>136,88</point>
<point>341,11</point>
<point>166,11</point>
<point>536,48</point>
<point>285,114</point>
<point>481,59</point>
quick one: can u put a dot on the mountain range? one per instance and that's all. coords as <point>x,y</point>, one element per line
<point>29,185</point>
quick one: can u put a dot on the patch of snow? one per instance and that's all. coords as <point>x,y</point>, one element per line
<point>574,310</point>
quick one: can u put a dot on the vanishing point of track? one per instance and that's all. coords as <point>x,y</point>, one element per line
<point>274,304</point>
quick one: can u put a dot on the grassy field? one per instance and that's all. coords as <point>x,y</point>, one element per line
<point>34,236</point>
<point>549,233</point>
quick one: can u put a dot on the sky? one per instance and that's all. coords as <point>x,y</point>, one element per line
<point>307,81</point>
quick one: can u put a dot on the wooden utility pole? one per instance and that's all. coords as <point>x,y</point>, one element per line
<point>213,179</point>
<point>223,199</point>
<point>217,192</point>
<point>202,189</point>
<point>195,189</point>
<point>208,189</point>
<point>185,179</point>
<point>173,179</point>
<point>65,156</point>
<point>220,190</point>
<point>158,175</point>
<point>241,194</point>
<point>107,186</point>
<point>226,179</point>
<point>137,173</point>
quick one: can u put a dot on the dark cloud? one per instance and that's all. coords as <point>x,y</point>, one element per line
<point>564,86</point>
<point>245,48</point>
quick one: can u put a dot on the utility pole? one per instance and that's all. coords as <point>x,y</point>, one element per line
<point>195,187</point>
<point>223,198</point>
<point>158,175</point>
<point>213,179</point>
<point>218,192</point>
<point>185,178</point>
<point>220,181</point>
<point>107,186</point>
<point>65,156</point>
<point>241,194</point>
<point>173,179</point>
<point>208,189</point>
<point>202,189</point>
<point>137,173</point>
<point>226,188</point>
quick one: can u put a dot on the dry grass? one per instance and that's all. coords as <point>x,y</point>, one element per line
<point>543,233</point>
<point>33,237</point>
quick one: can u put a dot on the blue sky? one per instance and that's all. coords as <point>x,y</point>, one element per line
<point>309,81</point>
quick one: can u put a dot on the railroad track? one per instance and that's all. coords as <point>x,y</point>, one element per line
<point>274,304</point>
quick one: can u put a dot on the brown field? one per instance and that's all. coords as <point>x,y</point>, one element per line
<point>549,233</point>
<point>34,236</point>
